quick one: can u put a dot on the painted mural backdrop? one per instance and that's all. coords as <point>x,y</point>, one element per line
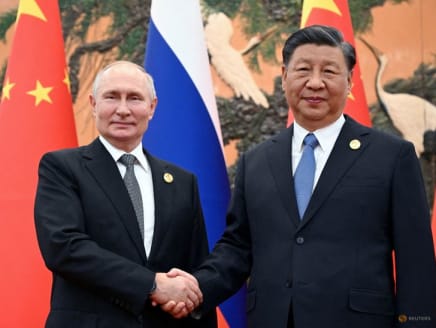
<point>394,41</point>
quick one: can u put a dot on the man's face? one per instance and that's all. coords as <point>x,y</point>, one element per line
<point>122,106</point>
<point>316,84</point>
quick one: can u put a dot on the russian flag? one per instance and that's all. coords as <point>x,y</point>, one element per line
<point>186,128</point>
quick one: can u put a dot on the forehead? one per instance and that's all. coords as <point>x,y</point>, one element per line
<point>318,54</point>
<point>123,76</point>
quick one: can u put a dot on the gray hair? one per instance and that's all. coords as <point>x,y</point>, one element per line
<point>150,82</point>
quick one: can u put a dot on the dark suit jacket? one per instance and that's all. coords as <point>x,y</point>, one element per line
<point>334,268</point>
<point>90,240</point>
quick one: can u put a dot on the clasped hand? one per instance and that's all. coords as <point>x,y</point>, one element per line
<point>177,292</point>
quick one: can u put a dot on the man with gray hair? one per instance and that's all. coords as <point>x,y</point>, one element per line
<point>111,218</point>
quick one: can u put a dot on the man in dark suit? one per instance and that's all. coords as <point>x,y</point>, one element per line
<point>327,263</point>
<point>108,266</point>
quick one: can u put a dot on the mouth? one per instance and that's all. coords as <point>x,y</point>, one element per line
<point>122,123</point>
<point>314,100</point>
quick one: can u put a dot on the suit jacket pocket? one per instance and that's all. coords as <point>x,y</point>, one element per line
<point>251,300</point>
<point>371,301</point>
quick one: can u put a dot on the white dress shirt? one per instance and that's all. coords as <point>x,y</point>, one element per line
<point>326,140</point>
<point>145,181</point>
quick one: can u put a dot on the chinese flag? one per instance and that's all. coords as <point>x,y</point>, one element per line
<point>336,13</point>
<point>36,116</point>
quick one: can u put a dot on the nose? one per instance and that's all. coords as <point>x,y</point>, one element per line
<point>315,81</point>
<point>123,108</point>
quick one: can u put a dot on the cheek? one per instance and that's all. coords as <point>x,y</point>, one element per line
<point>101,116</point>
<point>143,117</point>
<point>341,92</point>
<point>98,117</point>
<point>294,88</point>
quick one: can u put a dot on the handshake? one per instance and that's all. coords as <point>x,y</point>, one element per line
<point>177,292</point>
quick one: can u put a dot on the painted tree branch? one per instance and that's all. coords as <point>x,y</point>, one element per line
<point>101,46</point>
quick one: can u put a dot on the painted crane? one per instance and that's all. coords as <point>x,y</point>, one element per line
<point>410,114</point>
<point>229,62</point>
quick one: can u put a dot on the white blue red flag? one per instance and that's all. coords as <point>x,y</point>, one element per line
<point>186,128</point>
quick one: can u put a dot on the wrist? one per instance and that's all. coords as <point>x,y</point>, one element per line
<point>153,287</point>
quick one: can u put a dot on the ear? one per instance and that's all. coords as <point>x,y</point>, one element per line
<point>284,76</point>
<point>92,102</point>
<point>350,81</point>
<point>152,108</point>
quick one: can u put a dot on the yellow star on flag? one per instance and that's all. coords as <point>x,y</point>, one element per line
<point>30,7</point>
<point>66,80</point>
<point>7,87</point>
<point>309,5</point>
<point>40,93</point>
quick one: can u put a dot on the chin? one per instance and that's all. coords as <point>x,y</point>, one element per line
<point>314,114</point>
<point>122,136</point>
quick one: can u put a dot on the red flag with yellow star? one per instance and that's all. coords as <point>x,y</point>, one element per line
<point>337,14</point>
<point>36,116</point>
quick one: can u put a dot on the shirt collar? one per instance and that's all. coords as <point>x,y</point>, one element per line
<point>117,153</point>
<point>325,135</point>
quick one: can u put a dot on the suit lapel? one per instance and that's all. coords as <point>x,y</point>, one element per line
<point>162,201</point>
<point>340,160</point>
<point>105,171</point>
<point>279,159</point>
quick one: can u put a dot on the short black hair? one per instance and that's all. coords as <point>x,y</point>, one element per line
<point>319,35</point>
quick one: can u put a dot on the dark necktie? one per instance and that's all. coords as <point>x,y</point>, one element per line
<point>133,189</point>
<point>305,173</point>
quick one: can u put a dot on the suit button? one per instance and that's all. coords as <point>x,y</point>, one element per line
<point>299,240</point>
<point>288,284</point>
